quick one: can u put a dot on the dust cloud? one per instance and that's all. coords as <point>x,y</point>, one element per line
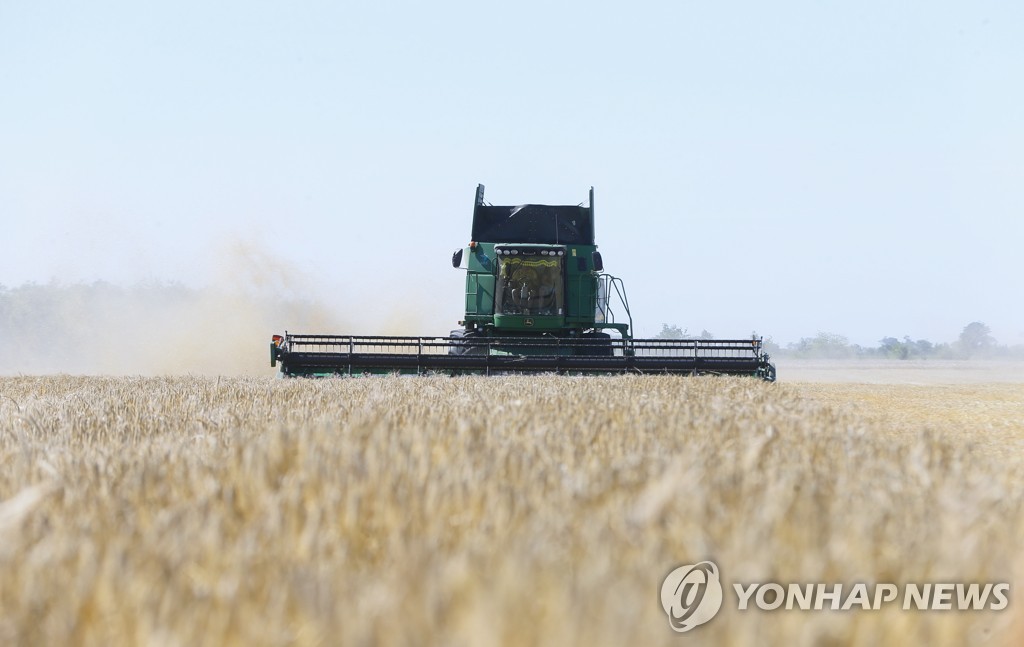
<point>161,328</point>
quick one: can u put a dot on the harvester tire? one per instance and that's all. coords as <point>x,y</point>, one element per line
<point>457,347</point>
<point>460,347</point>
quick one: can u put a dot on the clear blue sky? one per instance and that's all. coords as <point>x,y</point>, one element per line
<point>790,167</point>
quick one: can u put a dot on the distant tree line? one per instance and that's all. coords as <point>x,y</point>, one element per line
<point>975,342</point>
<point>675,332</point>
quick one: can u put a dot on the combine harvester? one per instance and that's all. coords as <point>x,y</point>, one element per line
<point>537,300</point>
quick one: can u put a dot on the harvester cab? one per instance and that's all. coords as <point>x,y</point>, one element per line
<point>534,271</point>
<point>537,299</point>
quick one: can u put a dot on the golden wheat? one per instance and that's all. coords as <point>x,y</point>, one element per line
<point>476,511</point>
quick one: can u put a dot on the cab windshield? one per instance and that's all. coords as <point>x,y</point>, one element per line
<point>529,285</point>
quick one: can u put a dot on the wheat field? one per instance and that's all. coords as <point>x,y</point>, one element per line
<point>492,511</point>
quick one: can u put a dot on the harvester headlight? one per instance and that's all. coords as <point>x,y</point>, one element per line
<point>514,252</point>
<point>561,253</point>
<point>543,252</point>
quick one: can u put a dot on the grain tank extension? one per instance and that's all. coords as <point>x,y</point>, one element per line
<point>537,299</point>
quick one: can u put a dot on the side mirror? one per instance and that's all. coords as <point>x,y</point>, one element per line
<point>457,258</point>
<point>597,262</point>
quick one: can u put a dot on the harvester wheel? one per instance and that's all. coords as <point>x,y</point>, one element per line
<point>463,344</point>
<point>457,347</point>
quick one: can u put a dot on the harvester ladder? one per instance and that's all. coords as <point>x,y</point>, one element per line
<point>473,296</point>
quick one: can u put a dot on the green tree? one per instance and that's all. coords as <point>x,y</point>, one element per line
<point>923,347</point>
<point>675,332</point>
<point>671,332</point>
<point>976,340</point>
<point>894,348</point>
<point>767,343</point>
<point>825,345</point>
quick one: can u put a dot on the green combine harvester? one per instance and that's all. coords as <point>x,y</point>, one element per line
<point>537,300</point>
